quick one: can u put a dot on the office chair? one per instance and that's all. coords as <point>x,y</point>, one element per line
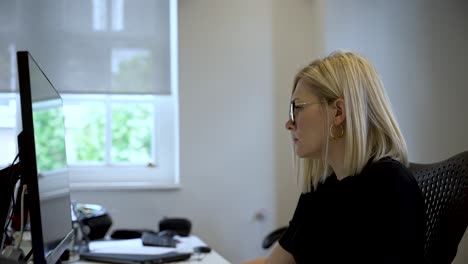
<point>445,189</point>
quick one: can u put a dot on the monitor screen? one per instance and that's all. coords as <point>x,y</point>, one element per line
<point>43,162</point>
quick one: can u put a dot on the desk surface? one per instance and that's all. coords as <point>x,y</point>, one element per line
<point>211,258</point>
<point>134,246</point>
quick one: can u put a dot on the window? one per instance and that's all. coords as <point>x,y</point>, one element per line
<point>115,64</point>
<point>7,129</point>
<point>117,141</point>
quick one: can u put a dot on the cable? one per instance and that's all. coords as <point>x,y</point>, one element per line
<point>22,215</point>
<point>10,176</point>
<point>7,223</point>
<point>26,258</point>
<point>3,242</point>
<point>13,163</point>
<point>10,214</point>
<point>11,210</point>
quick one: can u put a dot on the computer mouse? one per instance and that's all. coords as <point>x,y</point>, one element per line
<point>202,249</point>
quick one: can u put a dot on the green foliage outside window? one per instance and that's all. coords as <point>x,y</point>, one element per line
<point>89,138</point>
<point>131,132</point>
<point>49,139</point>
<point>131,129</point>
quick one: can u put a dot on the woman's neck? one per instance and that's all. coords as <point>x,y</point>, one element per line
<point>336,153</point>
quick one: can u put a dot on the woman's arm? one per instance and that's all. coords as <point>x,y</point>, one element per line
<point>280,256</point>
<point>277,256</point>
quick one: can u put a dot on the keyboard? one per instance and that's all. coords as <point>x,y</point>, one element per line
<point>155,240</point>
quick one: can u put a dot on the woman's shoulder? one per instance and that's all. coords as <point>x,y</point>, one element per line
<point>385,163</point>
<point>390,171</point>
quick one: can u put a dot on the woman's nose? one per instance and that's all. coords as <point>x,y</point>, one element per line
<point>289,125</point>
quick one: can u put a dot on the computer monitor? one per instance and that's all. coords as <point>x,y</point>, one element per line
<point>43,161</point>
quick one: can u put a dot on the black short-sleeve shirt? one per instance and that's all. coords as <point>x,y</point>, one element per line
<point>377,216</point>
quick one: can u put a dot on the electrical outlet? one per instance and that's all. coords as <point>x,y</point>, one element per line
<point>260,215</point>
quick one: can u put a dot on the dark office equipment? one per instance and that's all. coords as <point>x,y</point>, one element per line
<point>126,234</point>
<point>46,175</point>
<point>444,186</point>
<point>94,218</point>
<point>202,249</point>
<point>158,240</point>
<point>181,226</point>
<point>134,258</point>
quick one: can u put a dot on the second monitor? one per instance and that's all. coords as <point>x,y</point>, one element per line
<point>43,162</point>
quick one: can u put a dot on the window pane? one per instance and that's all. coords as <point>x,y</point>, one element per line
<point>7,131</point>
<point>85,132</point>
<point>7,135</point>
<point>132,127</point>
<point>48,136</point>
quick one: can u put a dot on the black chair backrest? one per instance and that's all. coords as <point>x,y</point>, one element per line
<point>445,188</point>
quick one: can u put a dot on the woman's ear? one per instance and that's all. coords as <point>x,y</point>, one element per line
<point>340,111</point>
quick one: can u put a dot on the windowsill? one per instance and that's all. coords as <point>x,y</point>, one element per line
<point>119,186</point>
<point>118,178</point>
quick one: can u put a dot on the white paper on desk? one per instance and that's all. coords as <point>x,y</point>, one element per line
<point>188,243</point>
<point>135,246</point>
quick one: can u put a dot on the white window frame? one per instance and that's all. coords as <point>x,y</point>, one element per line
<point>166,174</point>
<point>162,175</point>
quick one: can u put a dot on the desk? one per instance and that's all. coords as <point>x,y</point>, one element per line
<point>134,246</point>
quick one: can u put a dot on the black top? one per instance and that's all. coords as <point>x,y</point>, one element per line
<point>377,216</point>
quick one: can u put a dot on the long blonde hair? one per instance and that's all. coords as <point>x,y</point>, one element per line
<point>371,131</point>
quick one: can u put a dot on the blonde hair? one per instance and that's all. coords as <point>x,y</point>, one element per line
<point>371,131</point>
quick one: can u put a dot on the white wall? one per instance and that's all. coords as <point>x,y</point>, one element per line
<point>419,47</point>
<point>298,38</point>
<point>236,60</point>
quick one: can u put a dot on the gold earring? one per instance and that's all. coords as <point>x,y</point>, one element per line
<point>331,132</point>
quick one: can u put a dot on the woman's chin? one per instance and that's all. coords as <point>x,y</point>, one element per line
<point>308,155</point>
<point>302,154</point>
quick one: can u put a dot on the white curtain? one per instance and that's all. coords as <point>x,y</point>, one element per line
<point>89,46</point>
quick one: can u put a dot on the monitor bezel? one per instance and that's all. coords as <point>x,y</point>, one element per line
<point>29,169</point>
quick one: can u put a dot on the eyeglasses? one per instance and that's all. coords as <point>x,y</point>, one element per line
<point>293,106</point>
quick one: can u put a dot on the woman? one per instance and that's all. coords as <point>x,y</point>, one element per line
<point>360,203</point>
